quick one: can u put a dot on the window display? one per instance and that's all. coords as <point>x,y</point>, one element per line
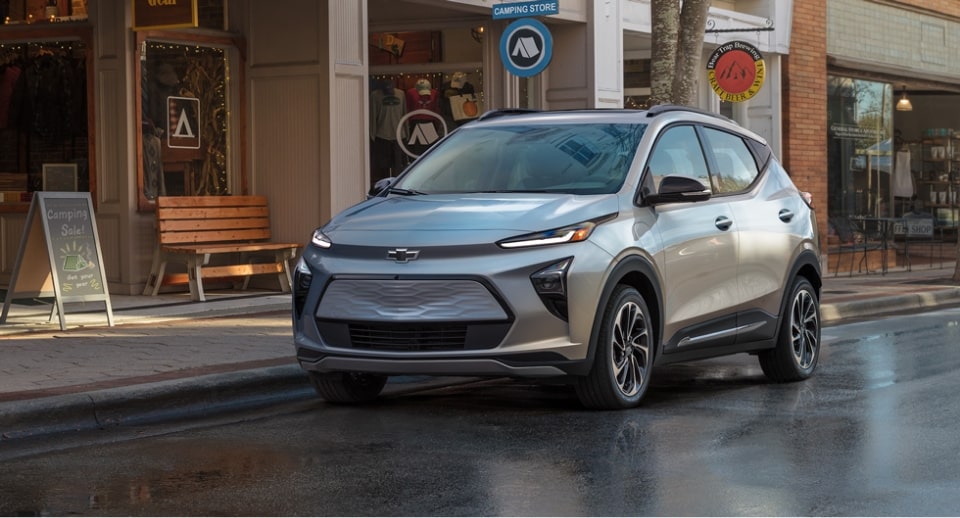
<point>185,121</point>
<point>43,116</point>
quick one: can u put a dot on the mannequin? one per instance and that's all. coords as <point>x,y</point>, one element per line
<point>423,97</point>
<point>458,85</point>
<point>387,107</point>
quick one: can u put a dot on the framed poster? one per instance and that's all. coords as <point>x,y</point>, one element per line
<point>60,177</point>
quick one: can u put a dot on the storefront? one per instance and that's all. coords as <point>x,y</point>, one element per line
<point>893,143</point>
<point>307,103</point>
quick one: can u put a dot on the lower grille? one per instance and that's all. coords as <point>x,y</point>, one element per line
<point>413,336</point>
<point>408,337</point>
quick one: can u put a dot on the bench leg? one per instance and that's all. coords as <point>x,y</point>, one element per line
<point>286,281</point>
<point>157,270</point>
<point>195,278</point>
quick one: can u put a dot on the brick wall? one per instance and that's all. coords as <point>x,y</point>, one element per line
<point>805,104</point>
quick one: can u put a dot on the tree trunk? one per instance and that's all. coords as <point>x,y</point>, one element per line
<point>664,28</point>
<point>693,23</point>
<point>677,40</point>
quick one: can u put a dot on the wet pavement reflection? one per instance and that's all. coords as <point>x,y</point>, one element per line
<point>874,432</point>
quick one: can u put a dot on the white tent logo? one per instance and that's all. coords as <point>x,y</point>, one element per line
<point>526,47</point>
<point>183,126</point>
<point>424,133</point>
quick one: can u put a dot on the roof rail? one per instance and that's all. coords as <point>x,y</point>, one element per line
<point>659,109</point>
<point>505,112</point>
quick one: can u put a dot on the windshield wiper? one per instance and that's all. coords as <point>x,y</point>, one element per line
<point>404,192</point>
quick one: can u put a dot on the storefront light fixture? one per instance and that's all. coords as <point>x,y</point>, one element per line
<point>477,33</point>
<point>904,104</point>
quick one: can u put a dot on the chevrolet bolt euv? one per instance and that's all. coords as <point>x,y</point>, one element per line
<point>587,247</point>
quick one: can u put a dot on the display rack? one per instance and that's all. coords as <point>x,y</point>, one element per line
<point>938,188</point>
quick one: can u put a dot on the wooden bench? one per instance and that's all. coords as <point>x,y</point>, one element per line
<point>236,229</point>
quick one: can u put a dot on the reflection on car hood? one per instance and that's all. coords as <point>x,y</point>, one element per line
<point>519,212</point>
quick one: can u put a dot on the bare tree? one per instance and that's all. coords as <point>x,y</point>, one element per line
<point>677,38</point>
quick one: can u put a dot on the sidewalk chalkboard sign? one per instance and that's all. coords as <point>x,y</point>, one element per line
<point>60,254</point>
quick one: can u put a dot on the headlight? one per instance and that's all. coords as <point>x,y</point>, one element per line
<point>320,239</point>
<point>571,234</point>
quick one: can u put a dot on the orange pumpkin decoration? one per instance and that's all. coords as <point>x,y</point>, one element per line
<point>470,109</point>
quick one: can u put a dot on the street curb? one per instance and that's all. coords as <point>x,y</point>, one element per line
<point>889,304</point>
<point>154,402</point>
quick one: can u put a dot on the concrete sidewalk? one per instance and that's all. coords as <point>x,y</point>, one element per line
<point>167,356</point>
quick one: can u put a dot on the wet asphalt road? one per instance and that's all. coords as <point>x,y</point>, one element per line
<point>876,432</point>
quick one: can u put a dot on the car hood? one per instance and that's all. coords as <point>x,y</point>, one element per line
<point>492,216</point>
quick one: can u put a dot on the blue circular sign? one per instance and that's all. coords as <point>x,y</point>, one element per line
<point>526,47</point>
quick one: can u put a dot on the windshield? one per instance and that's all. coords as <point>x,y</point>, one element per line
<point>557,158</point>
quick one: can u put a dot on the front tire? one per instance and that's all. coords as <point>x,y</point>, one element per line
<point>795,356</point>
<point>347,387</point>
<point>623,357</point>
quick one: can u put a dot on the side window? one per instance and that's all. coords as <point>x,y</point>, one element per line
<point>678,153</point>
<point>736,167</point>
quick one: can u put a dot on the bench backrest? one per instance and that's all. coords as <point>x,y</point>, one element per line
<point>212,219</point>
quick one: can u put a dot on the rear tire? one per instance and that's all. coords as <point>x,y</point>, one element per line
<point>795,356</point>
<point>623,356</point>
<point>347,387</point>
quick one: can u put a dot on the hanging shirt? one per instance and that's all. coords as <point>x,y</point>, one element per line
<point>386,110</point>
<point>902,177</point>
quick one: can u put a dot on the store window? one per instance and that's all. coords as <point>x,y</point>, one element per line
<point>45,79</point>
<point>860,125</point>
<point>185,114</point>
<point>423,85</point>
<point>636,84</point>
<point>42,11</point>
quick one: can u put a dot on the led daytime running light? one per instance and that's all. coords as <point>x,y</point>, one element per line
<point>571,234</point>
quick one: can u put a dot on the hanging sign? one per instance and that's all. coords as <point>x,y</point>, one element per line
<point>183,122</point>
<point>59,254</point>
<point>526,47</point>
<point>736,71</point>
<point>164,14</point>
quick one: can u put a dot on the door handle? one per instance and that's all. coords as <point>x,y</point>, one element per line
<point>786,215</point>
<point>723,222</point>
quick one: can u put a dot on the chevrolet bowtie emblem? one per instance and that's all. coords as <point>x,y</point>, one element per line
<point>402,255</point>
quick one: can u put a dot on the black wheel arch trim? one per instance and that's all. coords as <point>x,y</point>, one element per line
<point>635,269</point>
<point>806,261</point>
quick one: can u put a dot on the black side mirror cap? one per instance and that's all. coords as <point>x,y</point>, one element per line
<point>679,189</point>
<point>380,186</point>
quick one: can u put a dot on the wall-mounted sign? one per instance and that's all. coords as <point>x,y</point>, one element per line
<point>521,9</point>
<point>736,71</point>
<point>526,47</point>
<point>164,14</point>
<point>59,254</point>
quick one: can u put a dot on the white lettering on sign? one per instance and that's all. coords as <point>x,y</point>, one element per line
<point>160,3</point>
<point>511,10</point>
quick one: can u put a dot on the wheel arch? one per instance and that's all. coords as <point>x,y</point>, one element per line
<point>639,273</point>
<point>807,265</point>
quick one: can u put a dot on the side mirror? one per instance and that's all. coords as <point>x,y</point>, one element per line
<point>381,185</point>
<point>679,189</point>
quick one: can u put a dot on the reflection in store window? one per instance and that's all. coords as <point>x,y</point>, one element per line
<point>185,120</point>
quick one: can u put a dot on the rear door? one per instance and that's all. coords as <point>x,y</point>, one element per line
<point>766,211</point>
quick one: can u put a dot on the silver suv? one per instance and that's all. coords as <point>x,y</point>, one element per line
<point>583,246</point>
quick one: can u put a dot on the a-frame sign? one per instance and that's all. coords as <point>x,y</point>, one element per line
<point>59,255</point>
